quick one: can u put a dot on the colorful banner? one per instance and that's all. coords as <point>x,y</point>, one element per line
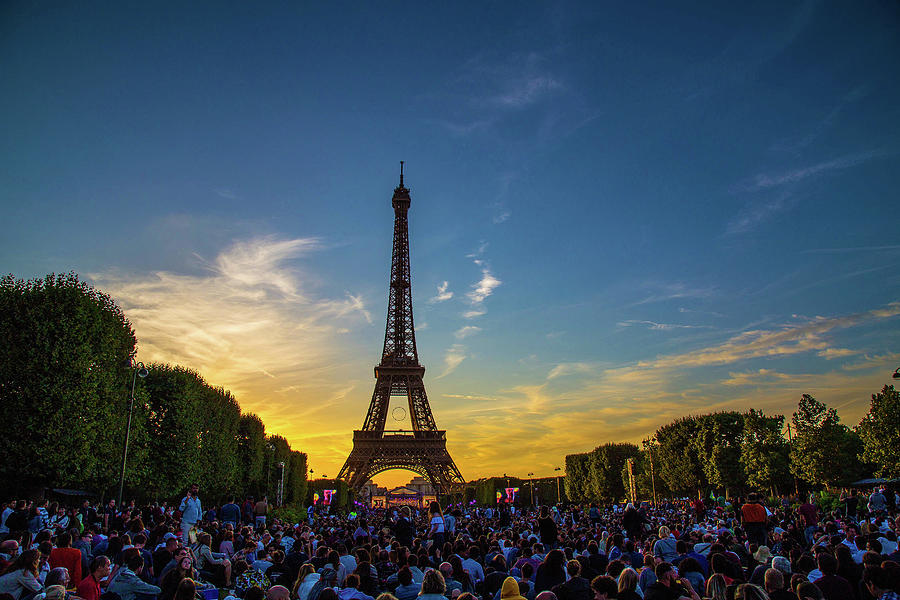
<point>328,496</point>
<point>511,494</point>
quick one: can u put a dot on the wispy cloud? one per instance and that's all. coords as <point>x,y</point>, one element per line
<point>485,286</point>
<point>466,331</point>
<point>775,179</point>
<point>755,213</point>
<point>453,357</point>
<point>661,292</point>
<point>658,326</point>
<point>788,340</point>
<point>851,249</point>
<point>471,314</point>
<point>502,216</point>
<point>571,368</point>
<point>443,293</point>
<point>525,91</point>
<point>226,193</point>
<point>831,353</point>
<point>252,323</point>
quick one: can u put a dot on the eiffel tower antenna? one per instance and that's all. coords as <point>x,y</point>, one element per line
<point>423,449</point>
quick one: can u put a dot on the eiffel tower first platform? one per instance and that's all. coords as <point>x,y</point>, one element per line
<point>422,450</point>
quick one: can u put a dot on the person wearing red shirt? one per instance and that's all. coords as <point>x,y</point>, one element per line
<point>89,588</point>
<point>66,556</point>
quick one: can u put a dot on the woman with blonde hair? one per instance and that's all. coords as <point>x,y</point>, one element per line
<point>665,547</point>
<point>628,581</point>
<point>306,579</point>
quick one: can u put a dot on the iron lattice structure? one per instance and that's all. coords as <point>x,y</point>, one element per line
<point>422,450</point>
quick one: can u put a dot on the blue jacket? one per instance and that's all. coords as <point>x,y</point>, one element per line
<point>191,511</point>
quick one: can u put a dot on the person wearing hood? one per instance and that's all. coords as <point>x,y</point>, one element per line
<point>510,590</point>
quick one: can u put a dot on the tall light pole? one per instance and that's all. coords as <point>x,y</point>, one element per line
<point>281,484</point>
<point>558,496</point>
<point>271,447</point>
<point>139,371</point>
<point>531,485</point>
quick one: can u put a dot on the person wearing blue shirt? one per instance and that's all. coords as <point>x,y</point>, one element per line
<point>191,511</point>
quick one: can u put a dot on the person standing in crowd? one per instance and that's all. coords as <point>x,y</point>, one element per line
<point>260,511</point>
<point>231,513</point>
<point>191,511</point>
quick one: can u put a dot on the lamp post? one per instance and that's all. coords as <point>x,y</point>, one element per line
<point>531,485</point>
<point>558,496</point>
<point>281,484</point>
<point>269,461</point>
<point>139,371</point>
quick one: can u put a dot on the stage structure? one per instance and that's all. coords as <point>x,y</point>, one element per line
<point>423,449</point>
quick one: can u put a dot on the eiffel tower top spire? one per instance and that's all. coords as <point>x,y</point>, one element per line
<point>400,334</point>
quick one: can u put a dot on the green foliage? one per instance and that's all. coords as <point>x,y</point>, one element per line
<point>64,383</point>
<point>605,470</point>
<point>644,476</point>
<point>879,431</point>
<point>577,473</point>
<point>677,460</point>
<point>764,452</point>
<point>289,513</point>
<point>252,453</point>
<point>174,420</point>
<point>295,481</point>
<point>718,446</point>
<point>65,387</point>
<point>824,451</point>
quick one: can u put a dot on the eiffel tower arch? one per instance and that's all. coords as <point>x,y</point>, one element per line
<point>423,449</point>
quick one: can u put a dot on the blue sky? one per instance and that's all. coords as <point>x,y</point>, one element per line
<point>619,213</point>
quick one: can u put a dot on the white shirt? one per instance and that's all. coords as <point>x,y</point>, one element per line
<point>437,523</point>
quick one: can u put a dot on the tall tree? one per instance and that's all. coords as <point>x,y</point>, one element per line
<point>577,473</point>
<point>296,483</point>
<point>175,419</point>
<point>678,462</point>
<point>718,445</point>
<point>824,451</point>
<point>880,433</point>
<point>764,451</point>
<point>605,470</point>
<point>219,469</point>
<point>65,379</point>
<point>252,453</point>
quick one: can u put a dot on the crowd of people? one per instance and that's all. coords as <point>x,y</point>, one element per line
<point>746,549</point>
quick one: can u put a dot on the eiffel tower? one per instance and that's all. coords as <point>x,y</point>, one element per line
<point>422,450</point>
